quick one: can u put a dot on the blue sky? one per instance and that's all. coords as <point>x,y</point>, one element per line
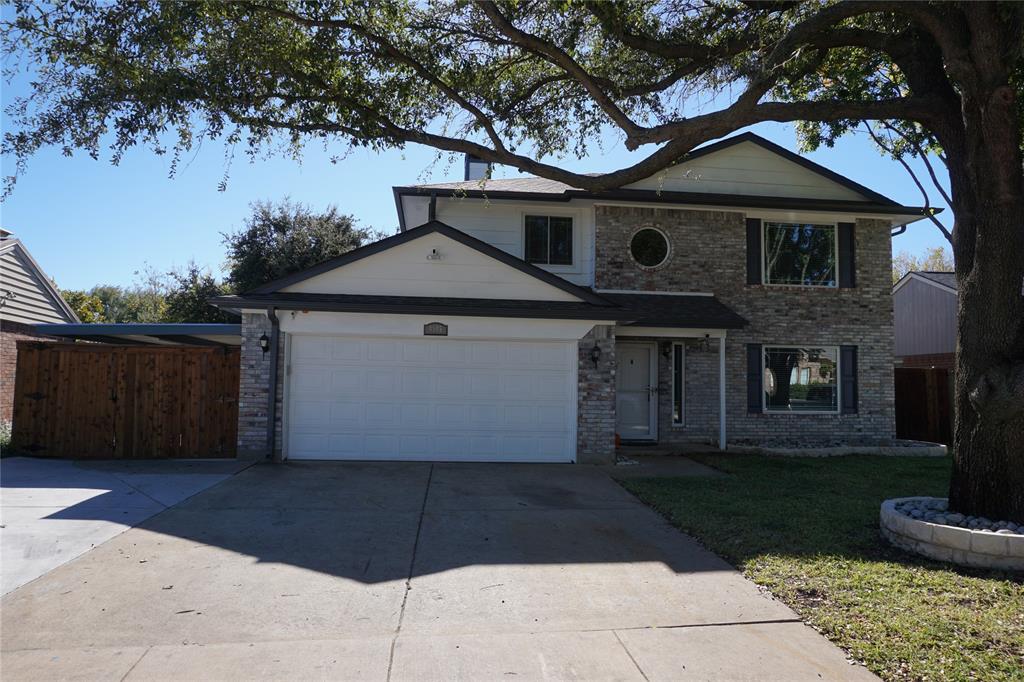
<point>88,222</point>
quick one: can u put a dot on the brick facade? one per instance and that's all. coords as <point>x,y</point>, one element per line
<point>10,334</point>
<point>709,255</point>
<point>595,432</point>
<point>253,389</point>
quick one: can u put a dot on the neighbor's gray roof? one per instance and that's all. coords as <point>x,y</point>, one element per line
<point>947,279</point>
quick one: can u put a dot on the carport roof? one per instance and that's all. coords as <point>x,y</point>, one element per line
<point>176,334</point>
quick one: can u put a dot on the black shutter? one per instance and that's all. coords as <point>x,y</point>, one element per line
<point>848,378</point>
<point>754,251</point>
<point>755,393</point>
<point>847,256</point>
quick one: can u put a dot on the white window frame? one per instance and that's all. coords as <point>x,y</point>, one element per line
<point>764,253</point>
<point>839,378</point>
<point>682,388</point>
<point>574,216</point>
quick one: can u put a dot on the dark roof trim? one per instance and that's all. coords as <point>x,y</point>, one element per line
<point>408,305</point>
<point>142,329</point>
<point>883,204</point>
<point>694,198</point>
<point>422,231</point>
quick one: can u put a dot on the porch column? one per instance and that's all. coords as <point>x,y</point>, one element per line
<point>721,392</point>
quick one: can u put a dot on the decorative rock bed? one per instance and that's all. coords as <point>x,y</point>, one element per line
<point>924,525</point>
<point>796,448</point>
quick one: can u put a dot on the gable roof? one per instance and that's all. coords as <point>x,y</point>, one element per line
<point>542,189</point>
<point>14,247</point>
<point>940,279</point>
<point>433,227</point>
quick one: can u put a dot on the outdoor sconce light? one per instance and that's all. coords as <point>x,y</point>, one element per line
<point>705,345</point>
<point>666,349</point>
<point>265,343</point>
<point>595,354</point>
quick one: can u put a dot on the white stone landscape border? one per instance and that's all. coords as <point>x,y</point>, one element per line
<point>921,450</point>
<point>963,546</point>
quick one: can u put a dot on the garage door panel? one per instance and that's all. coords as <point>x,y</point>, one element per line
<point>348,413</point>
<point>430,399</point>
<point>347,349</point>
<point>417,383</point>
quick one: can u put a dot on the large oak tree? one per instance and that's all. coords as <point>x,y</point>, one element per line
<point>520,83</point>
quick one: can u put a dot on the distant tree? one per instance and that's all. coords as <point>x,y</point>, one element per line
<point>936,259</point>
<point>186,299</point>
<point>143,301</point>
<point>87,306</point>
<point>282,238</point>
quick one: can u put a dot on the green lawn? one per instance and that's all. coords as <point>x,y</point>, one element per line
<point>807,529</point>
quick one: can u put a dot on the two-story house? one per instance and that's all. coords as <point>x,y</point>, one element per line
<point>740,296</point>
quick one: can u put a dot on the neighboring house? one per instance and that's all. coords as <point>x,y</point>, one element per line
<point>27,297</point>
<point>924,309</point>
<point>741,296</point>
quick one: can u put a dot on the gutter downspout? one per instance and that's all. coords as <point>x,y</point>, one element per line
<point>275,333</point>
<point>432,208</point>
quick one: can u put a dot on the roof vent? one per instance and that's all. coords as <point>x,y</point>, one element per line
<point>476,168</point>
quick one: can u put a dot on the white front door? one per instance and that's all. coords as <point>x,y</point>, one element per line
<point>636,391</point>
<point>431,399</point>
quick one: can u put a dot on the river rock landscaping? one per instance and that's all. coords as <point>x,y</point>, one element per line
<point>935,510</point>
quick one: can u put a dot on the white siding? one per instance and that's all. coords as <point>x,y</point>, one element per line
<point>500,223</point>
<point>32,303</point>
<point>405,270</point>
<point>747,168</point>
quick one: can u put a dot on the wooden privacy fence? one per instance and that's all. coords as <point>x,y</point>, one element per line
<point>924,405</point>
<point>97,401</point>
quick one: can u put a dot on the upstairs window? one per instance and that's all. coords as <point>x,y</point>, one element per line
<point>549,240</point>
<point>800,254</point>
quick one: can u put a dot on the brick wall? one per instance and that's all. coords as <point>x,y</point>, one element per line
<point>253,388</point>
<point>709,255</point>
<point>10,334</point>
<point>595,434</point>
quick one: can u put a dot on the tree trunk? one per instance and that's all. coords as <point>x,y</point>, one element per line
<point>988,244</point>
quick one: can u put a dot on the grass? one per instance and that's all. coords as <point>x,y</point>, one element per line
<point>807,529</point>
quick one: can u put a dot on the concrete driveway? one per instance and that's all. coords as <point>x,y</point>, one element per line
<point>406,572</point>
<point>52,511</point>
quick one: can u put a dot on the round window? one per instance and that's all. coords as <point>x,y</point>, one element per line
<point>649,247</point>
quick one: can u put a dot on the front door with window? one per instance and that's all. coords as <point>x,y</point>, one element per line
<point>636,391</point>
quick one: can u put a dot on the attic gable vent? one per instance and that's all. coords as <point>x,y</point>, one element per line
<point>435,329</point>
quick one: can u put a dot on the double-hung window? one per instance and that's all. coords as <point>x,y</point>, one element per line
<point>548,240</point>
<point>800,254</point>
<point>801,379</point>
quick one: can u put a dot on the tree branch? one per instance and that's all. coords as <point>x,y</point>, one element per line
<point>913,176</point>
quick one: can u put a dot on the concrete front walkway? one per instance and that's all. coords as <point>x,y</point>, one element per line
<point>406,572</point>
<point>52,510</point>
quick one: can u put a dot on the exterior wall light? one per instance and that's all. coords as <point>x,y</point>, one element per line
<point>265,343</point>
<point>595,354</point>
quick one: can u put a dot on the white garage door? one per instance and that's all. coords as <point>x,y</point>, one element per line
<point>431,399</point>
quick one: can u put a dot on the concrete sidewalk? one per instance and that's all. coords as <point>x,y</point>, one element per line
<point>407,571</point>
<point>52,511</point>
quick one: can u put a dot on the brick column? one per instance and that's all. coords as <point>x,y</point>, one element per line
<point>253,388</point>
<point>595,437</point>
